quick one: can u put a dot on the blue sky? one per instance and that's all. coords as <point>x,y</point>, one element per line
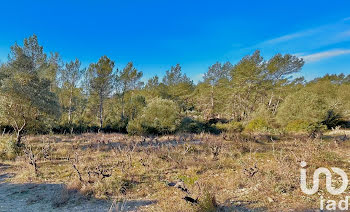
<point>158,34</point>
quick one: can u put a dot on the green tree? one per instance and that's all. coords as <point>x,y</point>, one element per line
<point>152,83</point>
<point>135,106</point>
<point>3,73</point>
<point>256,81</point>
<point>216,73</point>
<point>178,87</point>
<point>26,97</point>
<point>101,83</point>
<point>302,106</point>
<point>248,83</point>
<point>280,69</point>
<point>174,76</point>
<point>127,80</point>
<point>70,77</point>
<point>322,101</point>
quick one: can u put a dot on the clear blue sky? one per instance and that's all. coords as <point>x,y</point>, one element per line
<point>158,34</point>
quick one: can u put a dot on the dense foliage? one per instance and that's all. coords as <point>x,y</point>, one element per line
<point>41,93</point>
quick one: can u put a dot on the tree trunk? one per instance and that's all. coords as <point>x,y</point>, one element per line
<point>19,137</point>
<point>123,107</point>
<point>70,106</point>
<point>276,106</point>
<point>212,101</point>
<point>270,101</point>
<point>19,132</point>
<point>101,111</point>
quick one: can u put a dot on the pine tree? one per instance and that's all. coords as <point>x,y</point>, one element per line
<point>101,83</point>
<point>26,96</point>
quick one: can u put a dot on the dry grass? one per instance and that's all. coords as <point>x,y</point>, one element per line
<point>339,131</point>
<point>221,172</point>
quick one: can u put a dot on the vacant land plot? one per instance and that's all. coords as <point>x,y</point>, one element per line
<point>186,172</point>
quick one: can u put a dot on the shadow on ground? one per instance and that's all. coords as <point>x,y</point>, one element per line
<point>53,197</point>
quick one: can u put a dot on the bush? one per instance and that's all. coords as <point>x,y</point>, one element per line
<point>135,127</point>
<point>119,125</point>
<point>188,125</point>
<point>257,125</point>
<point>160,116</point>
<point>332,119</point>
<point>135,106</point>
<point>207,203</point>
<point>311,107</point>
<point>316,129</point>
<point>231,127</point>
<point>298,126</point>
<point>8,148</point>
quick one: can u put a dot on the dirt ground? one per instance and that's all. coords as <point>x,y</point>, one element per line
<point>229,172</point>
<point>43,197</point>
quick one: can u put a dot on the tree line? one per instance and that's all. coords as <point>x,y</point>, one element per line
<point>39,93</point>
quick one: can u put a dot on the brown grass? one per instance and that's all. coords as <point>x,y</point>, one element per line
<point>226,172</point>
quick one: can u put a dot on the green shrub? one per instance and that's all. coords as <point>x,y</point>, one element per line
<point>160,116</point>
<point>188,125</point>
<point>316,129</point>
<point>188,180</point>
<point>257,125</point>
<point>309,106</point>
<point>332,119</point>
<point>8,148</point>
<point>231,127</point>
<point>207,203</point>
<point>298,126</point>
<point>135,106</point>
<point>135,127</point>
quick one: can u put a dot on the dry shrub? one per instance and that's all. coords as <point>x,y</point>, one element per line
<point>74,185</point>
<point>207,200</point>
<point>248,168</point>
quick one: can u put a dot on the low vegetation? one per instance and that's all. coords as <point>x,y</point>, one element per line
<point>184,172</point>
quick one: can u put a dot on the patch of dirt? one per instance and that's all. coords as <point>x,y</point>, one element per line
<point>51,197</point>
